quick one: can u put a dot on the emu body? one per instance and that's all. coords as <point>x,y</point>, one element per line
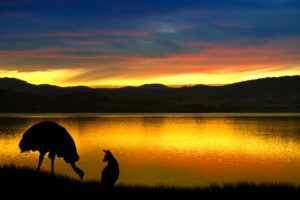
<point>50,137</point>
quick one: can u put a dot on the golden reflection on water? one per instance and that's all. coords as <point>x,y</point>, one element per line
<point>172,150</point>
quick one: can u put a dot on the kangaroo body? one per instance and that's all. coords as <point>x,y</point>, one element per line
<point>110,173</point>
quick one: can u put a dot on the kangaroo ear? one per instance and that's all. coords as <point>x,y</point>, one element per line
<point>104,151</point>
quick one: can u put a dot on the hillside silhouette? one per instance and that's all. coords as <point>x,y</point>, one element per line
<point>280,94</point>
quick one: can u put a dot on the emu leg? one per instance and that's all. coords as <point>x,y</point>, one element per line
<point>77,170</point>
<point>42,154</point>
<point>52,157</point>
<point>52,166</point>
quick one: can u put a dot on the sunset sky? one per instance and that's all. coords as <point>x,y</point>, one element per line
<point>113,43</point>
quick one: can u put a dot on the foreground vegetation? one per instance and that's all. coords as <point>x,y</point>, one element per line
<point>28,183</point>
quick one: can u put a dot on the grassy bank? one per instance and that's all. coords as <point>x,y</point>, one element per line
<point>27,182</point>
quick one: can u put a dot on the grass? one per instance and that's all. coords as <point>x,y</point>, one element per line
<point>27,182</point>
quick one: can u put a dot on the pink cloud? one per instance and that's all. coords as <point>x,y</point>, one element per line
<point>60,34</point>
<point>109,32</point>
<point>266,49</point>
<point>231,24</point>
<point>214,54</point>
<point>123,32</point>
<point>86,42</point>
<point>212,58</point>
<point>218,49</point>
<point>115,57</point>
<point>113,32</point>
<point>56,53</point>
<point>31,52</point>
<point>199,43</point>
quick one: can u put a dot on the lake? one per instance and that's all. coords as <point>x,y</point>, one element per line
<point>171,149</point>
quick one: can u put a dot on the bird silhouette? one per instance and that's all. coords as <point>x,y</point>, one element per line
<point>50,137</point>
<point>110,173</point>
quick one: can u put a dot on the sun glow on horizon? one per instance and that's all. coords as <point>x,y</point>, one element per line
<point>62,78</point>
<point>52,77</point>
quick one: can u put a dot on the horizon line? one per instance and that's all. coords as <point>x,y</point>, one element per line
<point>171,86</point>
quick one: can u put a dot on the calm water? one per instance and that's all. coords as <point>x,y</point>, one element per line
<point>173,149</point>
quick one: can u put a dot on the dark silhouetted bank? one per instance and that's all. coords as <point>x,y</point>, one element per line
<point>280,94</point>
<point>29,184</point>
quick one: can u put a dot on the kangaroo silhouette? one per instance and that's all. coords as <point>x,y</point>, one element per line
<point>50,137</point>
<point>110,173</point>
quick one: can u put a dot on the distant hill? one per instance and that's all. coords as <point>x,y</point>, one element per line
<point>148,86</point>
<point>153,86</point>
<point>280,94</point>
<point>44,89</point>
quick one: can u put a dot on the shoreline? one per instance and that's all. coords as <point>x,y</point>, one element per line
<point>147,114</point>
<point>28,179</point>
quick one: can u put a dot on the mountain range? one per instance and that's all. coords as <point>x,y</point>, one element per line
<point>277,94</point>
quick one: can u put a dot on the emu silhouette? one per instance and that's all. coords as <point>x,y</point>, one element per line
<point>110,173</point>
<point>50,137</point>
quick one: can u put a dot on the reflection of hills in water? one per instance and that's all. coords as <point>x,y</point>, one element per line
<point>287,128</point>
<point>262,95</point>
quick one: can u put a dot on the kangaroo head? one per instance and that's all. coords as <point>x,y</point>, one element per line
<point>108,156</point>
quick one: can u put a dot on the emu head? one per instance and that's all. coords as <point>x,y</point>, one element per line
<point>108,156</point>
